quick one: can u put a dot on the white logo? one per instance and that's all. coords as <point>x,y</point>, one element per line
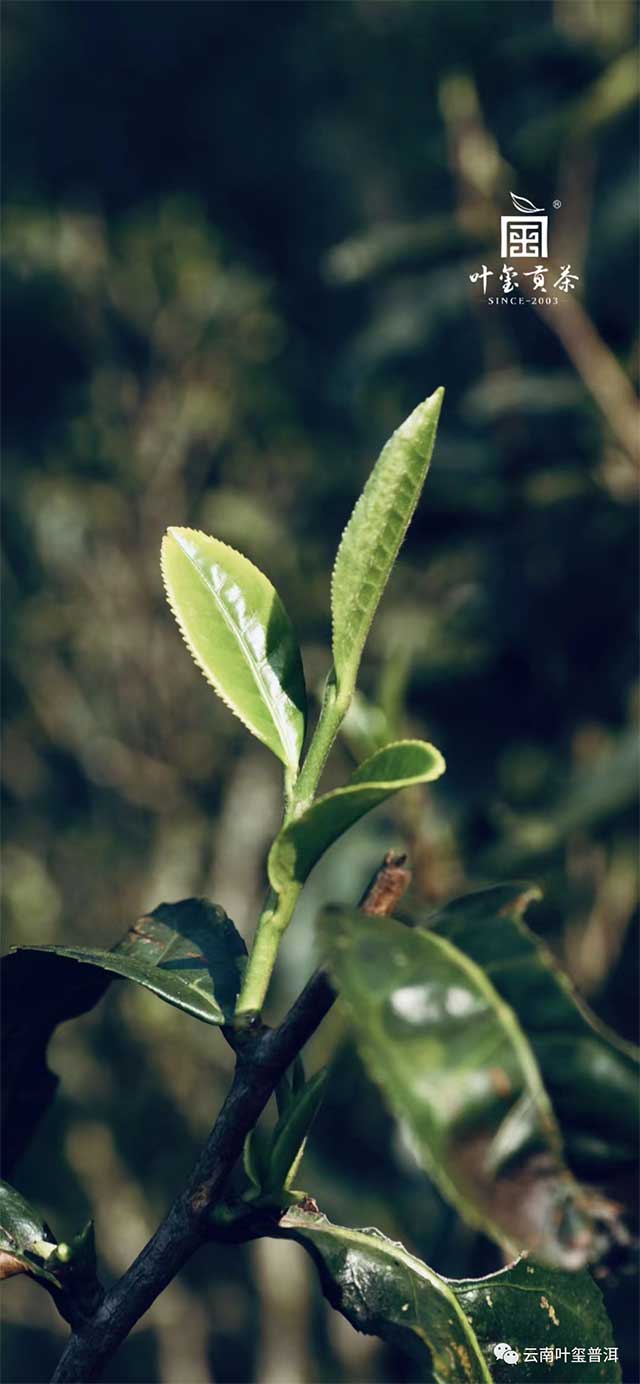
<point>505,1352</point>
<point>524,236</point>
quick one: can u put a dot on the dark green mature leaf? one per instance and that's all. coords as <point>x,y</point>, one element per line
<point>188,954</point>
<point>373,536</point>
<point>538,1309</point>
<point>32,1007</point>
<point>589,1072</point>
<point>301,843</point>
<point>238,631</point>
<point>453,1326</point>
<point>26,1243</point>
<point>384,1291</point>
<point>455,1066</point>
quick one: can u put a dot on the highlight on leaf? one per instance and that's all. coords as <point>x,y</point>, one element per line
<point>302,841</point>
<point>189,954</point>
<point>372,538</point>
<point>238,631</point>
<point>590,1073</point>
<point>456,1068</point>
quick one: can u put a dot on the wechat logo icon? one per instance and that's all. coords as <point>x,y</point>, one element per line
<point>505,1352</point>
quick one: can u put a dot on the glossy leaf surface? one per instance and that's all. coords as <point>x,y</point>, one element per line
<point>456,1068</point>
<point>452,1326</point>
<point>188,954</point>
<point>301,843</point>
<point>384,1291</point>
<point>375,531</point>
<point>26,1243</point>
<point>589,1072</point>
<point>238,631</point>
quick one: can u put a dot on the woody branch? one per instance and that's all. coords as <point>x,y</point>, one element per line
<point>263,1057</point>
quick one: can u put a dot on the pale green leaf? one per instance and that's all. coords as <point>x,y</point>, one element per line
<point>238,631</point>
<point>451,1327</point>
<point>373,536</point>
<point>300,844</point>
<point>456,1068</point>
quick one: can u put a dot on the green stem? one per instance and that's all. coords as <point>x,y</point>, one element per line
<point>275,917</point>
<point>278,910</point>
<point>332,715</point>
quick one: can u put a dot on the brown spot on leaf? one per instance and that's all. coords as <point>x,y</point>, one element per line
<point>517,907</point>
<point>465,1359</point>
<point>535,1203</point>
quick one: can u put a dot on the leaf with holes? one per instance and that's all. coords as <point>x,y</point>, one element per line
<point>238,631</point>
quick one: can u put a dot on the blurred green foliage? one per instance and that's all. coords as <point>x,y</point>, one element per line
<point>236,254</point>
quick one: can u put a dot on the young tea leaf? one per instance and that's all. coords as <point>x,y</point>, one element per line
<point>300,844</point>
<point>373,536</point>
<point>238,631</point>
<point>255,1159</point>
<point>290,1134</point>
<point>456,1068</point>
<point>451,1327</point>
<point>590,1073</point>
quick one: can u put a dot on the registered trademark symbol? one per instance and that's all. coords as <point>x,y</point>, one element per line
<point>557,204</point>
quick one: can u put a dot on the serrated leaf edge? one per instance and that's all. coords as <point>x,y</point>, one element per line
<point>291,761</point>
<point>361,505</point>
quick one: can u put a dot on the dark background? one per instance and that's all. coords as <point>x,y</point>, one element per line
<point>238,240</point>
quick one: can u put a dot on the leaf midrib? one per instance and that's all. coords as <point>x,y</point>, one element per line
<point>414,1267</point>
<point>148,973</point>
<point>374,566</point>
